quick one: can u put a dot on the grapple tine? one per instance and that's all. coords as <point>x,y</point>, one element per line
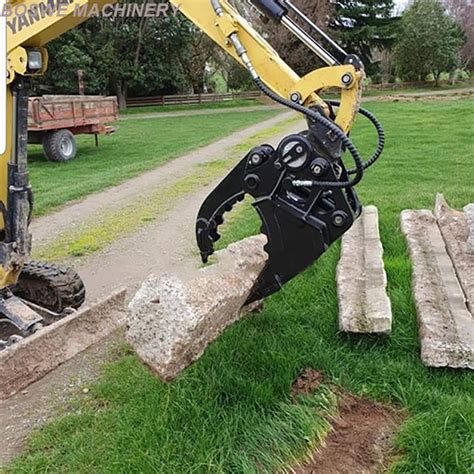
<point>211,214</point>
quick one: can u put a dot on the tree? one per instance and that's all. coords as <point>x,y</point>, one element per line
<point>462,11</point>
<point>364,27</point>
<point>237,76</point>
<point>429,42</point>
<point>195,57</point>
<point>292,51</point>
<point>295,53</point>
<point>119,56</point>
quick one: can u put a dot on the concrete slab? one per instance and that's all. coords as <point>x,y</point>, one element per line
<point>364,306</point>
<point>27,361</point>
<point>445,323</point>
<point>455,231</point>
<point>172,320</point>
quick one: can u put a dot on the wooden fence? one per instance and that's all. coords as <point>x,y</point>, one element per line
<point>191,99</point>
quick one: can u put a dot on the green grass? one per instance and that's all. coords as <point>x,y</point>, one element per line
<point>232,410</point>
<point>138,146</point>
<point>177,108</point>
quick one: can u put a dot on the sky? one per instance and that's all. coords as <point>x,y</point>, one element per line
<point>400,4</point>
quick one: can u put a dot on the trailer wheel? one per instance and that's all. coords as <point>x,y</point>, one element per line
<point>60,145</point>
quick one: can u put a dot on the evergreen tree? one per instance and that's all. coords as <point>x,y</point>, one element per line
<point>429,42</point>
<point>365,27</point>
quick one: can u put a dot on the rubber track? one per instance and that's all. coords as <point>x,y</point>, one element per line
<point>66,283</point>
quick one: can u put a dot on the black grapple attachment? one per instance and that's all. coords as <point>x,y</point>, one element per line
<point>300,217</point>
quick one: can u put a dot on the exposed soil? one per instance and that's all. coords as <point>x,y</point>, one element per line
<point>308,382</point>
<point>361,439</point>
<point>187,113</point>
<point>426,96</point>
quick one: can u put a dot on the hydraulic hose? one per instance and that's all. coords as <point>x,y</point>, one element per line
<point>380,136</point>
<point>331,126</point>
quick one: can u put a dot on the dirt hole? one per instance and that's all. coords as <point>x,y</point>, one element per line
<point>308,382</point>
<point>361,439</point>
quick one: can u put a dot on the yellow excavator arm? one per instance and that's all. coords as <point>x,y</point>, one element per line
<point>303,192</point>
<point>269,66</point>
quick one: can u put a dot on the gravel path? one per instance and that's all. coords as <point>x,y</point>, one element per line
<point>119,196</point>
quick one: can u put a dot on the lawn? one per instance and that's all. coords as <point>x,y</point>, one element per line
<point>177,108</point>
<point>232,411</point>
<point>138,146</point>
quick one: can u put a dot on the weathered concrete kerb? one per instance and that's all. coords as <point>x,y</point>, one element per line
<point>27,361</point>
<point>364,306</point>
<point>455,230</point>
<point>445,324</point>
<point>172,321</point>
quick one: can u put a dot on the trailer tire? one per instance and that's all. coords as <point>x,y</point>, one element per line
<point>60,145</point>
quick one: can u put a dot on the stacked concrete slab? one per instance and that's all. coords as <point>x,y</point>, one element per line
<point>443,284</point>
<point>364,306</point>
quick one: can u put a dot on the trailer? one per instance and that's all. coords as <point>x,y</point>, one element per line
<point>55,120</point>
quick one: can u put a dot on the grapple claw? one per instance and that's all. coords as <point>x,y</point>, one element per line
<point>300,217</point>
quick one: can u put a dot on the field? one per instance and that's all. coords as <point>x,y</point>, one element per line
<point>232,411</point>
<point>138,146</point>
<point>177,108</point>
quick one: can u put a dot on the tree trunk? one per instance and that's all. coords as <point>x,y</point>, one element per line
<point>452,77</point>
<point>198,84</point>
<point>121,90</point>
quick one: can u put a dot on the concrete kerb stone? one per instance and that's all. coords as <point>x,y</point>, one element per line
<point>455,230</point>
<point>469,216</point>
<point>30,359</point>
<point>172,321</point>
<point>445,323</point>
<point>364,306</point>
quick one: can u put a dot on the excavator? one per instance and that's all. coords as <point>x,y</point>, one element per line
<point>303,189</point>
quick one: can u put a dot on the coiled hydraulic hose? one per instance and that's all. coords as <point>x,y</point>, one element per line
<point>380,136</point>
